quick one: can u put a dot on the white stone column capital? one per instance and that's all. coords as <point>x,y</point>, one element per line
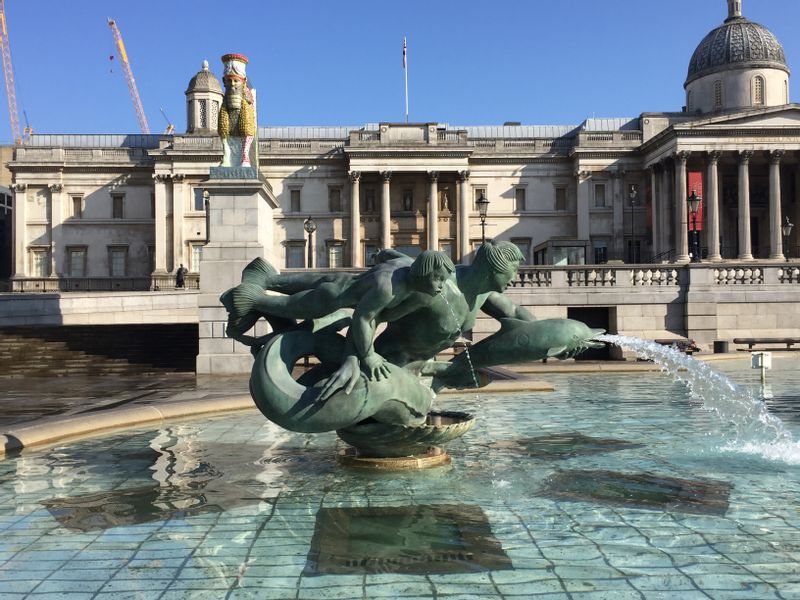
<point>463,175</point>
<point>387,176</point>
<point>714,156</point>
<point>681,157</point>
<point>775,156</point>
<point>354,176</point>
<point>55,187</point>
<point>745,156</point>
<point>433,176</point>
<point>20,187</point>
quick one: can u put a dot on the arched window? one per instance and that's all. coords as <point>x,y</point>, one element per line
<point>758,90</point>
<point>689,101</point>
<point>718,93</point>
<point>786,91</point>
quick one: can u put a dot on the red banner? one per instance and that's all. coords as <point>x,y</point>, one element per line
<point>695,184</point>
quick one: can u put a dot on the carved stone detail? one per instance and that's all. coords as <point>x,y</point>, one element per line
<point>55,187</point>
<point>387,175</point>
<point>355,176</point>
<point>433,176</point>
<point>775,156</point>
<point>463,175</point>
<point>714,156</point>
<point>745,156</point>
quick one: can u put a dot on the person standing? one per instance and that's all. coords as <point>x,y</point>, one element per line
<point>180,277</point>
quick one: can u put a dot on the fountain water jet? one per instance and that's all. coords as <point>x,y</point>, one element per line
<point>756,430</point>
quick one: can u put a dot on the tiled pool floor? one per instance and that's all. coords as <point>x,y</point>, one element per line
<point>614,486</point>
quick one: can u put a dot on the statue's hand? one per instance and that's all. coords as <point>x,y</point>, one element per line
<point>345,377</point>
<point>375,366</point>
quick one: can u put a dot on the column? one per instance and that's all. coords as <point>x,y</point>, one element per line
<point>775,239</point>
<point>712,206</point>
<point>584,181</point>
<point>463,216</point>
<point>178,208</point>
<point>355,219</point>
<point>56,218</point>
<point>655,217</point>
<point>745,249</point>
<point>681,214</point>
<point>619,206</point>
<point>386,215</point>
<point>161,223</point>
<point>20,230</point>
<point>433,210</point>
<point>665,243</point>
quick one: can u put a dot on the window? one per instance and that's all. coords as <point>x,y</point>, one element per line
<point>195,257</point>
<point>294,200</point>
<point>408,200</point>
<point>446,246</point>
<point>718,93</point>
<point>524,245</point>
<point>214,115</point>
<point>295,254</point>
<point>77,207</point>
<point>117,261</point>
<point>758,90</point>
<point>600,248</point>
<point>199,201</point>
<point>116,205</point>
<point>336,254</point>
<point>76,262</point>
<point>370,250</point>
<point>40,262</point>
<point>204,114</point>
<point>519,199</point>
<point>477,192</point>
<point>561,198</point>
<point>335,199</point>
<point>369,201</point>
<point>599,195</point>
<point>785,91</point>
<point>689,101</point>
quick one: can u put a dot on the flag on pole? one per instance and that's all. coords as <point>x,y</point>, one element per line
<point>404,52</point>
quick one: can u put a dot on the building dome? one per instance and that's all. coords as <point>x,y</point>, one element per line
<point>204,81</point>
<point>737,43</point>
<point>203,99</point>
<point>739,65</point>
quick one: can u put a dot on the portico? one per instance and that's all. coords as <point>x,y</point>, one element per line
<point>408,190</point>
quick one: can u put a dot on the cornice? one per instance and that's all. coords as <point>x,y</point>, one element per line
<point>407,153</point>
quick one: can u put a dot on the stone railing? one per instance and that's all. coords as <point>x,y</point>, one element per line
<point>610,138</point>
<point>299,146</point>
<point>667,275</point>
<point>92,155</point>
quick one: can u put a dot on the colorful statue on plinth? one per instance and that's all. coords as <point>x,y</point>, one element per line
<point>378,393</point>
<point>237,118</point>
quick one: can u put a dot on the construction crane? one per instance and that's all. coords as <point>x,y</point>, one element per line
<point>126,68</point>
<point>11,90</point>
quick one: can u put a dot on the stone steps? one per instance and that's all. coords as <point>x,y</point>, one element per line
<point>96,350</point>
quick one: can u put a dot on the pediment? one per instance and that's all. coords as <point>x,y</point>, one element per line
<point>784,116</point>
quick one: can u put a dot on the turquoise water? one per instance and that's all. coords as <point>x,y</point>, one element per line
<point>614,486</point>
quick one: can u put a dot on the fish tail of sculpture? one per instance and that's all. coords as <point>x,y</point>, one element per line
<point>241,301</point>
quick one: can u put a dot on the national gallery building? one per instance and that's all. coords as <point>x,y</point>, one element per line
<point>718,180</point>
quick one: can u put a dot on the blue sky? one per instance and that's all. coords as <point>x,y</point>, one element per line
<point>318,62</point>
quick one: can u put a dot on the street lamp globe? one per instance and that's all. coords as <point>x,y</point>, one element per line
<point>310,225</point>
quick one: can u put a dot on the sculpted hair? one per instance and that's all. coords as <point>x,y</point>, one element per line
<point>429,261</point>
<point>501,257</point>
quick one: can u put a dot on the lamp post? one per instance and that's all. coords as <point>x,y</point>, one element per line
<point>483,207</point>
<point>694,205</point>
<point>786,230</point>
<point>206,204</point>
<point>310,226</point>
<point>632,197</point>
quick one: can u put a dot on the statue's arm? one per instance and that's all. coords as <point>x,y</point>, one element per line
<point>499,306</point>
<point>364,323</point>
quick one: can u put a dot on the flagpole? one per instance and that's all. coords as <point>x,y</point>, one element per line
<point>405,71</point>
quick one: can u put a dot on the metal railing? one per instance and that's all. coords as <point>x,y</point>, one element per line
<point>97,284</point>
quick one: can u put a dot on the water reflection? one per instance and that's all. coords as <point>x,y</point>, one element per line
<point>563,445</point>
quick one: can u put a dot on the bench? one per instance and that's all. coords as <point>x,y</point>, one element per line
<point>685,345</point>
<point>788,341</point>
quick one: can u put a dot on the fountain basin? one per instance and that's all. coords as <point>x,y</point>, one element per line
<point>371,439</point>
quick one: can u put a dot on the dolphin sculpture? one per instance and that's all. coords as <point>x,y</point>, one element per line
<point>518,341</point>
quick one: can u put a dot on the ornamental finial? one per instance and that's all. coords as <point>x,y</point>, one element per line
<point>734,9</point>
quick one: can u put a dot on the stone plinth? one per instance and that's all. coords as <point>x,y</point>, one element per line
<point>240,229</point>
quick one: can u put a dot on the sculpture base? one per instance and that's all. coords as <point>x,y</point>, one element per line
<point>434,457</point>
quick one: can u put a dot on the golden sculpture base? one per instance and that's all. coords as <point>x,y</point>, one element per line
<point>434,457</point>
